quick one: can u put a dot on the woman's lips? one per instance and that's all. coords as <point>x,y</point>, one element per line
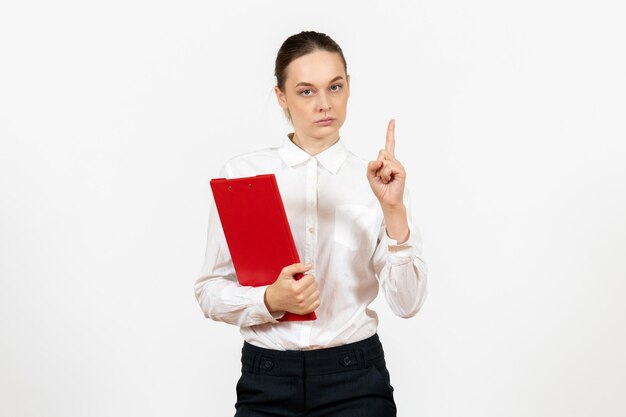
<point>325,122</point>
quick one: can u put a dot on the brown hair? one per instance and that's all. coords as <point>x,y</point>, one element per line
<point>301,44</point>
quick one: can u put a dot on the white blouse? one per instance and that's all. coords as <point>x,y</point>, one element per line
<point>338,225</point>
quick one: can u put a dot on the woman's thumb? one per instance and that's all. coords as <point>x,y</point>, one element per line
<point>373,166</point>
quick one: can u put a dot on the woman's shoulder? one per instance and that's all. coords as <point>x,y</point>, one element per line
<point>355,160</point>
<point>245,163</point>
<point>253,155</point>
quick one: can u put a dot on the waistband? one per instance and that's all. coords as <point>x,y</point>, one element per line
<point>347,357</point>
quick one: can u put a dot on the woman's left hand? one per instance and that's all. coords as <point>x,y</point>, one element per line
<point>386,174</point>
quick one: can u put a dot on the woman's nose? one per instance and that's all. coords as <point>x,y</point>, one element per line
<point>323,104</point>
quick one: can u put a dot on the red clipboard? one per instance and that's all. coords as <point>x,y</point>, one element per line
<point>257,231</point>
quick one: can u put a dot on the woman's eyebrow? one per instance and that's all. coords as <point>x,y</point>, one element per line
<point>339,77</point>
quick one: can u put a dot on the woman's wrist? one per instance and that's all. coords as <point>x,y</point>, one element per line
<point>396,222</point>
<point>266,299</point>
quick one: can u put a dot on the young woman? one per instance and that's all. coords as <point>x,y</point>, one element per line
<point>351,222</point>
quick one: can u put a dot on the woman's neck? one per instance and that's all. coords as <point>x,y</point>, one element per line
<point>311,145</point>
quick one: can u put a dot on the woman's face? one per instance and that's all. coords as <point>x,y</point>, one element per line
<point>316,88</point>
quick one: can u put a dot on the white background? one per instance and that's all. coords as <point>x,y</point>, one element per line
<point>510,123</point>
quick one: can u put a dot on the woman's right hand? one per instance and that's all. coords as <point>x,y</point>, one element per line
<point>295,296</point>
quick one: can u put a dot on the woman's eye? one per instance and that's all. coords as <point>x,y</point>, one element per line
<point>308,92</point>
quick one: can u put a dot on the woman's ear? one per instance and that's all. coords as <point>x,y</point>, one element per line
<point>280,97</point>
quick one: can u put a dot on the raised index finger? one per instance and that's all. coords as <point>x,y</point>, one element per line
<point>390,144</point>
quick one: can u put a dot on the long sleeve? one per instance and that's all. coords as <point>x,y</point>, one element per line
<point>401,269</point>
<point>217,290</point>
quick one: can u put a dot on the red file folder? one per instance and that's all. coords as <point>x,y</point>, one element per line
<point>257,231</point>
